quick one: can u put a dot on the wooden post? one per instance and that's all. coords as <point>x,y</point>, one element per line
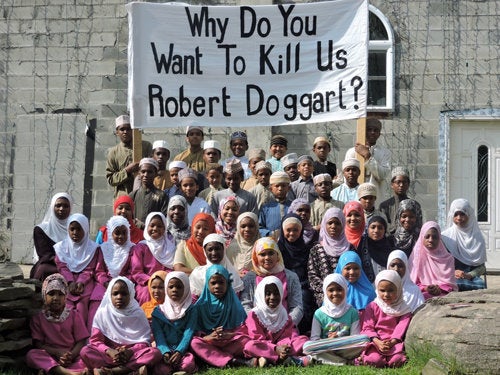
<point>137,145</point>
<point>361,138</point>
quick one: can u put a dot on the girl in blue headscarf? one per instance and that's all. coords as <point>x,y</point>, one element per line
<point>220,340</point>
<point>360,291</point>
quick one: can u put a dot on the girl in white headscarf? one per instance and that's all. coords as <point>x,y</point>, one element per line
<point>335,324</point>
<point>385,322</point>
<point>76,260</point>
<point>466,243</point>
<point>273,334</point>
<point>215,252</point>
<point>174,324</point>
<point>121,336</point>
<point>398,261</point>
<point>52,229</point>
<point>155,253</point>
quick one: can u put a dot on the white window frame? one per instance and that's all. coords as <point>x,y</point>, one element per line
<point>388,47</point>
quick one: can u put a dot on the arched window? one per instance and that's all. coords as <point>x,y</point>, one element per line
<point>380,63</point>
<point>482,183</point>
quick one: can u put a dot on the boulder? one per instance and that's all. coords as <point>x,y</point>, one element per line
<point>463,326</point>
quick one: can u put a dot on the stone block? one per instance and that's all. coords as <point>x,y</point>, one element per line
<point>435,367</point>
<point>102,96</point>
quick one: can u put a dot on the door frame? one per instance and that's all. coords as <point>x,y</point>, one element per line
<point>445,118</point>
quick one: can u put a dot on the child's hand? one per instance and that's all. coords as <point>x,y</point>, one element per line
<point>132,167</point>
<point>125,354</point>
<point>175,358</point>
<point>332,335</point>
<point>113,354</point>
<point>434,290</point>
<point>66,359</point>
<point>79,288</point>
<point>459,274</point>
<point>282,351</point>
<point>72,287</point>
<point>166,358</point>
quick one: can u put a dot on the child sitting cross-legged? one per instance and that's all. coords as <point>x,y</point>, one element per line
<point>335,337</point>
<point>174,322</point>
<point>385,322</point>
<point>58,332</point>
<point>273,335</point>
<point>121,336</point>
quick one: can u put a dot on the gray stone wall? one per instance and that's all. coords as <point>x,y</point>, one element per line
<point>65,65</point>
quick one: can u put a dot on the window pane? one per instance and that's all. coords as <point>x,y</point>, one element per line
<point>376,92</point>
<point>377,63</point>
<point>377,29</point>
<point>482,183</point>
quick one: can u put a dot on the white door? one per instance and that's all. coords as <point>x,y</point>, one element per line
<point>474,174</point>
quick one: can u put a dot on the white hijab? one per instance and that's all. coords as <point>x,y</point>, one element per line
<point>329,308</point>
<point>197,277</point>
<point>273,319</point>
<point>162,249</point>
<point>411,292</point>
<point>176,310</point>
<point>53,227</point>
<point>399,306</point>
<point>465,244</point>
<point>115,256</point>
<point>77,256</point>
<point>124,326</point>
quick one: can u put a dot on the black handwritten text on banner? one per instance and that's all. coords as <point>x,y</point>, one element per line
<point>248,65</point>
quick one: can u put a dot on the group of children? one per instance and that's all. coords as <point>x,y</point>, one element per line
<point>294,277</point>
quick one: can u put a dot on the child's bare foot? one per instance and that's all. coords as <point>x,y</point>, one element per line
<point>143,370</point>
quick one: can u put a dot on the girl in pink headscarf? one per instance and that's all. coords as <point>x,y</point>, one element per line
<point>432,267</point>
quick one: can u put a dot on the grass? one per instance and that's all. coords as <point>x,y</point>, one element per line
<point>419,356</point>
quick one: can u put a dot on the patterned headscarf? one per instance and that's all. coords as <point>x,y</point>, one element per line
<point>403,239</point>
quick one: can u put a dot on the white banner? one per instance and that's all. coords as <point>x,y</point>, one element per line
<point>246,66</point>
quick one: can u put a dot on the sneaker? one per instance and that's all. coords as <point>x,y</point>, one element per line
<point>262,362</point>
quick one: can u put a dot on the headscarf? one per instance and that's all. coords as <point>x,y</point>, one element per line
<point>197,277</point>
<point>370,250</point>
<point>176,310</point>
<point>266,243</point>
<point>54,228</point>
<point>465,244</point>
<point>183,231</point>
<point>295,254</point>
<point>149,306</point>
<point>274,319</point>
<point>55,281</point>
<point>123,326</point>
<point>360,293</point>
<point>354,235</point>
<point>329,308</point>
<point>226,312</point>
<point>115,256</point>
<point>136,235</point>
<point>77,256</point>
<point>403,239</point>
<point>411,292</point>
<point>225,230</point>
<point>240,250</point>
<point>163,249</point>
<point>309,233</point>
<point>436,267</point>
<point>192,245</point>
<point>399,306</point>
<point>334,247</point>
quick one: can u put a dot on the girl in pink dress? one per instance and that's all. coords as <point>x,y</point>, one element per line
<point>274,337</point>
<point>113,260</point>
<point>432,266</point>
<point>155,253</point>
<point>121,336</point>
<point>58,332</point>
<point>76,260</point>
<point>385,322</point>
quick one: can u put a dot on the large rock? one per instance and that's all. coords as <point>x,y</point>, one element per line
<point>9,270</point>
<point>464,327</point>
